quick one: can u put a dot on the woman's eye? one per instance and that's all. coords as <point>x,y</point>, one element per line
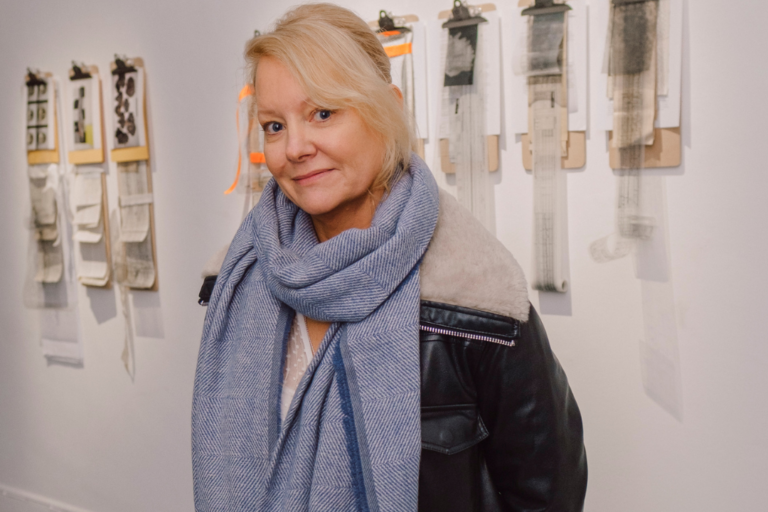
<point>322,115</point>
<point>273,127</point>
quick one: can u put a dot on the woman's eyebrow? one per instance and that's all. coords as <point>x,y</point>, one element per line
<point>265,111</point>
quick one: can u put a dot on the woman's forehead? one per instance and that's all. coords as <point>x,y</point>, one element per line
<point>276,88</point>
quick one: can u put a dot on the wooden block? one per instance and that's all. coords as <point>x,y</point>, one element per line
<point>107,239</point>
<point>492,144</point>
<point>445,159</point>
<point>665,151</point>
<point>493,152</point>
<point>420,148</point>
<point>47,156</point>
<point>129,154</point>
<point>577,151</point>
<point>86,156</point>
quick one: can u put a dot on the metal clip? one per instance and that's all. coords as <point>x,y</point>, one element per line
<point>461,17</point>
<point>546,7</point>
<point>78,73</point>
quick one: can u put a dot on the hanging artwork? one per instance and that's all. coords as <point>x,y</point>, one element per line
<point>470,120</point>
<point>404,41</point>
<point>137,269</point>
<point>50,284</point>
<point>637,65</point>
<point>134,248</point>
<point>640,110</point>
<point>47,285</point>
<point>543,61</point>
<point>88,197</point>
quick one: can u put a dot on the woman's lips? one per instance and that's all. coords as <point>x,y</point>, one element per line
<point>312,176</point>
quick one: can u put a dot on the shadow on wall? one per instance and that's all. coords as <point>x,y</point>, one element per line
<point>659,352</point>
<point>147,314</point>
<point>103,303</point>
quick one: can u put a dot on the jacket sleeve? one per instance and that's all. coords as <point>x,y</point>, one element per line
<point>535,450</point>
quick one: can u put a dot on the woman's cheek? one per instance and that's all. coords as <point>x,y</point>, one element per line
<point>272,158</point>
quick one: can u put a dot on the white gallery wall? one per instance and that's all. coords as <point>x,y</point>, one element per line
<point>92,439</point>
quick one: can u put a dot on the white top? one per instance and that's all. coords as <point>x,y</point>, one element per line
<point>297,358</point>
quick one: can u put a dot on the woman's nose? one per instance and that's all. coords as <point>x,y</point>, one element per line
<point>300,146</point>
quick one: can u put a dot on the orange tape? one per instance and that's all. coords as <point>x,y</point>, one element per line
<point>246,91</point>
<point>398,50</point>
<point>258,158</point>
<point>390,33</point>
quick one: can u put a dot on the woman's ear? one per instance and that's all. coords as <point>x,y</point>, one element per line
<point>398,94</point>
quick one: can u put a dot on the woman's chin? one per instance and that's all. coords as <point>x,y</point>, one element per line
<point>317,204</point>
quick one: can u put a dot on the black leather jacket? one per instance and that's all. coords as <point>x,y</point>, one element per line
<point>501,431</point>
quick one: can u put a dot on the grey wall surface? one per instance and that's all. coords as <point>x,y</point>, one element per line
<point>95,440</point>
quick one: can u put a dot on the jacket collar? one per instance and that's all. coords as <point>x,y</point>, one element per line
<point>467,266</point>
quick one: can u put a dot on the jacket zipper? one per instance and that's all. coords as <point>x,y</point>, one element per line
<point>448,332</point>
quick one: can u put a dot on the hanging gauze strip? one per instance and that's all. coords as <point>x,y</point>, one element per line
<point>464,111</point>
<point>89,198</point>
<point>51,283</point>
<point>543,63</point>
<point>250,142</point>
<point>252,151</point>
<point>632,82</point>
<point>404,41</point>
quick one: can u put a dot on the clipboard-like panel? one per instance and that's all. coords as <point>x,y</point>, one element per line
<point>136,265</point>
<point>88,199</point>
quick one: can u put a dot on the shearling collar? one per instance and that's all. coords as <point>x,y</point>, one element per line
<point>467,266</point>
<point>464,266</point>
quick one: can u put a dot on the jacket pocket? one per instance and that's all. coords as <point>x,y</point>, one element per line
<point>449,429</point>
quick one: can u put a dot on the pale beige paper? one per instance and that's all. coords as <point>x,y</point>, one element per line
<point>93,262</point>
<point>87,189</point>
<point>89,236</point>
<point>140,268</point>
<point>88,216</point>
<point>43,202</point>
<point>134,225</point>
<point>50,263</point>
<point>47,233</point>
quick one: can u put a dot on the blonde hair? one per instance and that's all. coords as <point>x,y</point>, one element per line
<point>340,63</point>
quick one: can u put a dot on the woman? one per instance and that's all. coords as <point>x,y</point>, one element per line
<point>368,345</point>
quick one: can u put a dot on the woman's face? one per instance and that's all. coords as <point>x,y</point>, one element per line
<point>324,161</point>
